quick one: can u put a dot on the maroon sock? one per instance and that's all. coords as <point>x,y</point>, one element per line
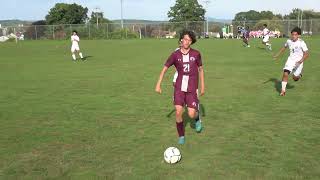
<point>180,129</point>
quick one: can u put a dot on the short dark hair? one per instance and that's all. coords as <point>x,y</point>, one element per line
<point>191,34</point>
<point>265,25</point>
<point>74,31</point>
<point>297,30</point>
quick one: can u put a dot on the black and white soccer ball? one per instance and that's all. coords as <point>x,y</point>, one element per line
<point>172,155</point>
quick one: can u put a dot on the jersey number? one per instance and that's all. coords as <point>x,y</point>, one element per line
<point>186,67</point>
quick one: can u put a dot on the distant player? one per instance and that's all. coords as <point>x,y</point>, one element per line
<point>266,37</point>
<point>75,46</point>
<point>298,54</point>
<point>246,36</point>
<point>189,66</point>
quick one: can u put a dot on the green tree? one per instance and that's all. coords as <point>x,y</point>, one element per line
<point>100,17</point>
<point>306,14</point>
<point>63,13</point>
<point>273,24</point>
<point>188,13</point>
<point>186,10</point>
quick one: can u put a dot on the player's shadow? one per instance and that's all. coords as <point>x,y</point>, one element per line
<point>277,84</point>
<point>261,48</point>
<point>186,119</point>
<point>87,57</point>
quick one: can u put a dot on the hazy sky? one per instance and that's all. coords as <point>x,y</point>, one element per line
<point>150,9</point>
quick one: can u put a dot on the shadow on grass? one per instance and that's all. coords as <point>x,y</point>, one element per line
<point>277,84</point>
<point>87,57</point>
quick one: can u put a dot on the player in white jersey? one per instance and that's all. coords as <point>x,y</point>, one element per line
<point>266,36</point>
<point>75,46</point>
<point>298,54</point>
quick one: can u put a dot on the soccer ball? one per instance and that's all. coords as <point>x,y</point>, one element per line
<point>172,155</point>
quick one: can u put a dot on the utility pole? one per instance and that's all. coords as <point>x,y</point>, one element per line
<point>97,12</point>
<point>207,2</point>
<point>121,1</point>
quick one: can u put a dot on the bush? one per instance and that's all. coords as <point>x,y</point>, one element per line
<point>124,34</point>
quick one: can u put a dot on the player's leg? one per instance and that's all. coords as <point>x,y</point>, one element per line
<point>244,40</point>
<point>73,50</point>
<point>288,68</point>
<point>247,40</point>
<point>179,104</point>
<point>284,82</point>
<point>193,107</point>
<point>79,52</point>
<point>297,74</point>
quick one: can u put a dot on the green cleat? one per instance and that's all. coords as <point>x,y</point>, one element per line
<point>198,126</point>
<point>181,140</point>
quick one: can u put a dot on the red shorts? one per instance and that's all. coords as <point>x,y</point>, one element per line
<point>186,98</point>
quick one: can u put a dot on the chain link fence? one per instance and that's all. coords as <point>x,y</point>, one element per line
<point>157,30</point>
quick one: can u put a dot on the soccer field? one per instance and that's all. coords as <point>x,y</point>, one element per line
<point>101,119</point>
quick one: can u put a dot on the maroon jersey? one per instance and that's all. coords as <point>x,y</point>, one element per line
<point>187,67</point>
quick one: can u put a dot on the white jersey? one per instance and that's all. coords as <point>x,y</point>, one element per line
<point>266,32</point>
<point>75,40</point>
<point>297,49</point>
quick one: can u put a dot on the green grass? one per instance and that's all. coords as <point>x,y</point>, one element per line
<point>101,119</point>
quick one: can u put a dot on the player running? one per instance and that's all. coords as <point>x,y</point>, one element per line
<point>298,54</point>
<point>246,36</point>
<point>189,66</point>
<point>75,46</point>
<point>266,37</point>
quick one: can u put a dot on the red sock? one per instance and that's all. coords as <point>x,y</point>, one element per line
<point>180,129</point>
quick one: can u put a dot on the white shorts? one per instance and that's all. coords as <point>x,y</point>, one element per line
<point>75,48</point>
<point>266,39</point>
<point>291,66</point>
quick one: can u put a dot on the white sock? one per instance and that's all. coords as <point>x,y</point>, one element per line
<point>80,54</point>
<point>74,57</point>
<point>268,44</point>
<point>284,85</point>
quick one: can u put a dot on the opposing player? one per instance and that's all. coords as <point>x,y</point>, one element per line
<point>246,36</point>
<point>266,37</point>
<point>298,54</point>
<point>189,66</point>
<point>75,46</point>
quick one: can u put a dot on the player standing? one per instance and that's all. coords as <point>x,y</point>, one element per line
<point>189,66</point>
<point>266,37</point>
<point>298,54</point>
<point>75,45</point>
<point>246,36</point>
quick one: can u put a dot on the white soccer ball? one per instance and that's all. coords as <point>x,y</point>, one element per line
<point>172,155</point>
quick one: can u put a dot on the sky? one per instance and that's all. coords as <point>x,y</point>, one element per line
<point>150,9</point>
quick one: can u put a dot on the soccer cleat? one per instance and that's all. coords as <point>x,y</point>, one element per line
<point>181,140</point>
<point>198,126</point>
<point>283,93</point>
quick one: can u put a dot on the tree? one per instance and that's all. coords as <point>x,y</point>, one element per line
<point>102,20</point>
<point>307,14</point>
<point>63,13</point>
<point>273,24</point>
<point>188,13</point>
<point>186,10</point>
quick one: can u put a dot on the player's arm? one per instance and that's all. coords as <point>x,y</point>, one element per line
<point>305,56</point>
<point>201,73</point>
<point>158,86</point>
<point>282,50</point>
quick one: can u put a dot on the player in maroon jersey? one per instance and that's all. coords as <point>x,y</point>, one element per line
<point>188,64</point>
